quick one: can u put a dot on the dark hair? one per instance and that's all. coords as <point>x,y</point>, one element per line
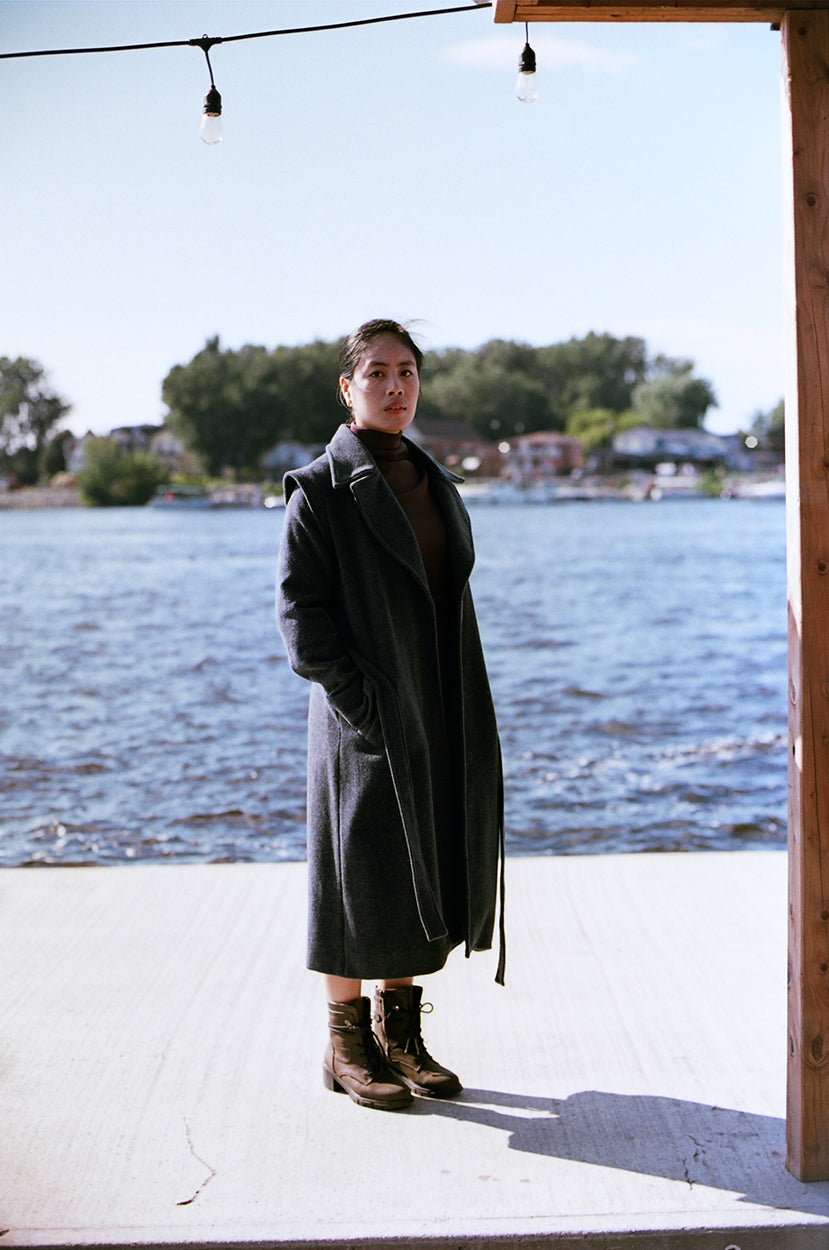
<point>356,344</point>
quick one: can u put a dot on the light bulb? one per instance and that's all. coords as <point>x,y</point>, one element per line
<point>526,88</point>
<point>211,122</point>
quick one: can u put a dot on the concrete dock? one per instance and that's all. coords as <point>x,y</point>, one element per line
<point>160,1049</point>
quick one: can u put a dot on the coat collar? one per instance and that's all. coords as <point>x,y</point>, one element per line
<point>349,459</point>
<point>352,465</point>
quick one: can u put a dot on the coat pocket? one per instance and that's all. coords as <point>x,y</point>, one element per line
<point>356,704</point>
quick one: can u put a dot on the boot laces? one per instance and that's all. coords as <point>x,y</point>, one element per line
<point>414,1043</point>
<point>368,1056</point>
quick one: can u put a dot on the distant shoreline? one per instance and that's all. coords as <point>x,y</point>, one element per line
<point>632,486</point>
<point>29,497</point>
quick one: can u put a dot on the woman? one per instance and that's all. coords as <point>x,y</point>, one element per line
<point>405,794</point>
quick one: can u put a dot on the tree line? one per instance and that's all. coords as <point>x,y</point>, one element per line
<point>33,446</point>
<point>230,406</point>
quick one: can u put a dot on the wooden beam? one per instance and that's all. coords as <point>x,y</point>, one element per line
<point>771,11</point>
<point>806,56</point>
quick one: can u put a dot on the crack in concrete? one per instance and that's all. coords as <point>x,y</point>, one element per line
<point>700,1150</point>
<point>211,1170</point>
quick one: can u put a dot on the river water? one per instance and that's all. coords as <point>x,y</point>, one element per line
<point>637,654</point>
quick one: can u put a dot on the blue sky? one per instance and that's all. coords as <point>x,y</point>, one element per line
<point>384,171</point>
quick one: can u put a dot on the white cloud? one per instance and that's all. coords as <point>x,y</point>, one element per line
<point>501,49</point>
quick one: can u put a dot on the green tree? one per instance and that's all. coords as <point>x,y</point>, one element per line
<point>111,477</point>
<point>597,371</point>
<point>29,412</point>
<point>507,388</point>
<point>494,389</point>
<point>594,427</point>
<point>229,407</point>
<point>306,407</point>
<point>672,398</point>
<point>222,406</point>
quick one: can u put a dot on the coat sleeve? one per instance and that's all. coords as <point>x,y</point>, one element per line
<point>306,595</point>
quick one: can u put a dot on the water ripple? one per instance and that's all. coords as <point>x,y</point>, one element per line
<point>637,655</point>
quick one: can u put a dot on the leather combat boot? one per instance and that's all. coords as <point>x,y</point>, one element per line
<point>353,1064</point>
<point>397,1026</point>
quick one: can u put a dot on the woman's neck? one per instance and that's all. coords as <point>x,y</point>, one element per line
<point>380,439</point>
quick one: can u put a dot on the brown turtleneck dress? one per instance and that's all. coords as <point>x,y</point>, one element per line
<point>411,489</point>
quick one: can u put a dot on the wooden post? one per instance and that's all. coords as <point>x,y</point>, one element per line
<point>806,70</point>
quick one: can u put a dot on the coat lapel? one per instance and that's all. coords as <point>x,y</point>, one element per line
<point>353,467</point>
<point>458,528</point>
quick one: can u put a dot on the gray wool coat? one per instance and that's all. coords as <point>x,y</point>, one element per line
<point>403,761</point>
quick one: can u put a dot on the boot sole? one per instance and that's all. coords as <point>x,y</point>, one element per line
<point>423,1091</point>
<point>331,1082</point>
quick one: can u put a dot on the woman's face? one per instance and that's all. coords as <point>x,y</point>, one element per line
<point>382,394</point>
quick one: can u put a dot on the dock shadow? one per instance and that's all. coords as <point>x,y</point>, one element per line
<point>670,1138</point>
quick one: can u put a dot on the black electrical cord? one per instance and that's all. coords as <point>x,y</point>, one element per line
<point>206,42</point>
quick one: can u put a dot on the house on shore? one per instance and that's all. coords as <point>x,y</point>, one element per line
<point>538,457</point>
<point>458,445</point>
<point>689,451</point>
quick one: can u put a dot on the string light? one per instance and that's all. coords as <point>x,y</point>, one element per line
<point>211,126</point>
<point>526,88</point>
<point>211,131</point>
